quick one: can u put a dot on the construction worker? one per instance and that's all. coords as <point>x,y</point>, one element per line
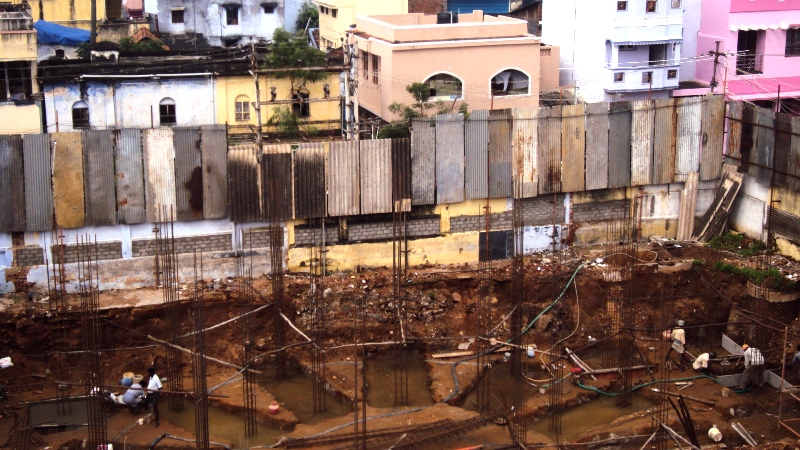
<point>700,364</point>
<point>753,367</point>
<point>678,336</point>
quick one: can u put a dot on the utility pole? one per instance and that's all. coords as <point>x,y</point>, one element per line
<point>93,32</point>
<point>716,54</point>
<point>257,104</point>
<point>350,89</point>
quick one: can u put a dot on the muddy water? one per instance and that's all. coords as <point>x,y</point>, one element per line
<point>296,393</point>
<point>589,416</point>
<point>381,381</point>
<point>502,386</point>
<point>222,424</point>
<point>48,413</point>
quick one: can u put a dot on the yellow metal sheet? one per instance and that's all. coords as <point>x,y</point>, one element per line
<point>68,179</point>
<point>573,148</point>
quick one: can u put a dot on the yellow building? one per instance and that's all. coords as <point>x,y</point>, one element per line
<point>336,16</point>
<point>78,14</point>
<point>317,104</point>
<point>19,111</point>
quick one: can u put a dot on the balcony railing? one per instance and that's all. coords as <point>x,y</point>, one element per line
<point>642,78</point>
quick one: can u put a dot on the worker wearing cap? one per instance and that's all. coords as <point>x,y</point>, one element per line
<point>753,367</point>
<point>700,364</point>
<point>678,336</point>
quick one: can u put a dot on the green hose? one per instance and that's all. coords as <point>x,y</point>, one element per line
<point>696,377</point>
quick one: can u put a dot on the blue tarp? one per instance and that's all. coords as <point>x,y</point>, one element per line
<point>487,6</point>
<point>50,33</point>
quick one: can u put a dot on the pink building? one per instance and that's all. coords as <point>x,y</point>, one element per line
<point>486,61</point>
<point>760,40</point>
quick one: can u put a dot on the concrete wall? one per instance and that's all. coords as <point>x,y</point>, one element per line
<point>20,119</point>
<point>131,103</point>
<point>332,29</point>
<point>18,45</point>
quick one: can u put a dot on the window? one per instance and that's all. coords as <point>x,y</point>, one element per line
<point>672,74</point>
<point>647,77</point>
<point>619,77</point>
<point>232,14</point>
<point>15,80</point>
<point>230,42</point>
<point>334,12</point>
<point>323,9</point>
<point>376,68</point>
<point>300,106</point>
<point>80,115</point>
<point>627,48</point>
<point>746,51</point>
<point>510,82</point>
<point>166,111</point>
<point>177,16</point>
<point>60,54</point>
<point>622,6</point>
<point>365,63</point>
<point>676,3</point>
<point>650,6</point>
<point>444,86</point>
<point>242,108</point>
<point>793,42</point>
<point>269,8</point>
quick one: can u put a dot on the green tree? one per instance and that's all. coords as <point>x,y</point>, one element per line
<point>307,12</point>
<point>421,94</point>
<point>291,55</point>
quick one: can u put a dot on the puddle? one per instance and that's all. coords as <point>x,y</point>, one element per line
<point>296,393</point>
<point>598,412</point>
<point>380,381</point>
<point>48,413</point>
<point>222,424</point>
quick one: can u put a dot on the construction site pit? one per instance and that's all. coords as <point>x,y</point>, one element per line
<point>576,305</point>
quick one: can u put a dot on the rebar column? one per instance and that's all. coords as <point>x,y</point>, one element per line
<point>399,278</point>
<point>168,265</point>
<point>199,381</point>
<point>57,291</point>
<point>483,383</point>
<point>663,323</point>
<point>555,391</point>
<point>518,425</point>
<point>91,336</point>
<point>277,276</point>
<point>318,310</point>
<point>248,353</point>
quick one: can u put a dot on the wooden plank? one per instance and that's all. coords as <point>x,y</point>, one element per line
<point>573,148</point>
<point>687,207</point>
<point>68,180</point>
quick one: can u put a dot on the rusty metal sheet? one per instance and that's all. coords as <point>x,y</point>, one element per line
<point>423,162</point>
<point>376,186</point>
<point>687,140</point>
<point>188,174</point>
<point>343,179</point>
<point>500,127</point>
<point>573,148</point>
<point>277,182</point>
<point>244,184</point>
<point>130,176</point>
<point>619,145</point>
<point>597,146</point>
<point>38,182</point>
<point>748,137</point>
<point>712,126</point>
<point>401,174</point>
<point>476,155</point>
<point>12,195</point>
<point>449,158</point>
<point>309,180</point>
<point>68,179</point>
<point>783,142</point>
<point>99,177</point>
<point>765,144</point>
<point>664,141</point>
<point>644,115</point>
<point>214,150</point>
<point>734,121</point>
<point>524,142</point>
<point>159,174</point>
<point>793,166</point>
<point>549,150</point>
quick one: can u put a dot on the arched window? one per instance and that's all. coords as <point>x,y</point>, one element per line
<point>80,115</point>
<point>445,87</point>
<point>510,82</point>
<point>242,108</point>
<point>166,111</point>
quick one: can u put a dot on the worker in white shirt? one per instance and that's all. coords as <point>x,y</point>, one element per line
<point>700,364</point>
<point>153,386</point>
<point>678,336</point>
<point>753,367</point>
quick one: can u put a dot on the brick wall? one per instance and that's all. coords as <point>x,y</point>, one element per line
<point>104,251</point>
<point>29,256</point>
<point>255,238</point>
<point>427,6</point>
<point>205,244</point>
<point>599,211</point>
<point>311,236</point>
<point>382,231</point>
<point>535,211</point>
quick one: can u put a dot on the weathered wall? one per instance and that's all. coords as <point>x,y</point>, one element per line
<point>23,119</point>
<point>131,104</point>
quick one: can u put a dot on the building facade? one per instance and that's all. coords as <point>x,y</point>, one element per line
<point>759,46</point>
<point>488,62</point>
<point>20,110</point>
<point>226,23</point>
<point>113,19</point>
<point>617,50</point>
<point>336,16</point>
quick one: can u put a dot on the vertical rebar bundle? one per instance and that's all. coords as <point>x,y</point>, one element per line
<point>360,385</point>
<point>483,383</point>
<point>399,279</point>
<point>199,381</point>
<point>248,348</point>
<point>556,392</point>
<point>318,310</point>
<point>88,277</point>
<point>276,269</point>
<point>168,275</point>
<point>57,290</point>
<point>518,425</point>
<point>661,408</point>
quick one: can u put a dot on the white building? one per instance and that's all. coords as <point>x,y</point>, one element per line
<point>227,23</point>
<point>616,50</point>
